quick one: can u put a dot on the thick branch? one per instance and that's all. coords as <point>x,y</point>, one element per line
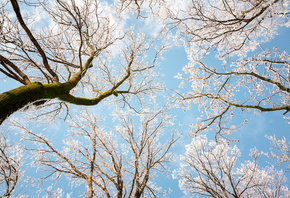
<point>13,100</point>
<point>33,40</point>
<point>88,102</point>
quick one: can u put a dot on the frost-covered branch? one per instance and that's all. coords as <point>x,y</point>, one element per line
<point>258,83</point>
<point>10,162</point>
<point>119,163</point>
<point>280,151</point>
<point>213,170</point>
<point>76,52</point>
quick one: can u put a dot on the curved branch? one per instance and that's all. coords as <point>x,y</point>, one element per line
<point>263,109</point>
<point>283,88</point>
<point>87,102</point>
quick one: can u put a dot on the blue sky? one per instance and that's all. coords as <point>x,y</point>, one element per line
<point>251,135</point>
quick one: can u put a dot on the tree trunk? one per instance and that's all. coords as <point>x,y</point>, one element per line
<point>15,99</point>
<point>90,188</point>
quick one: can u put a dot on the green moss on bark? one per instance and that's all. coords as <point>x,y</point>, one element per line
<point>13,100</point>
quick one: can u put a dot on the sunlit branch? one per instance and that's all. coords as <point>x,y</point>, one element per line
<point>249,74</point>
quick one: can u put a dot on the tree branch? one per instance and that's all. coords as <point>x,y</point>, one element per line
<point>33,40</point>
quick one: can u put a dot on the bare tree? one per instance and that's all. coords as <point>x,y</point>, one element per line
<point>231,29</point>
<point>259,83</point>
<point>78,52</point>
<point>10,156</point>
<point>211,169</point>
<point>121,163</point>
<point>229,26</point>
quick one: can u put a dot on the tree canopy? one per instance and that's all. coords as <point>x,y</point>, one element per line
<point>94,67</point>
<point>79,53</point>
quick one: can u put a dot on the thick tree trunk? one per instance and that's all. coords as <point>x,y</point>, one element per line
<point>15,99</point>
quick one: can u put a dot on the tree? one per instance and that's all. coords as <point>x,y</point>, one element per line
<point>119,163</point>
<point>211,169</point>
<point>232,29</point>
<point>280,151</point>
<point>71,51</point>
<point>257,83</point>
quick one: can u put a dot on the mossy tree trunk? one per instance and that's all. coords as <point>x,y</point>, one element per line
<point>14,100</point>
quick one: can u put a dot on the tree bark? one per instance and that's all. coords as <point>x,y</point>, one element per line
<point>15,99</point>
